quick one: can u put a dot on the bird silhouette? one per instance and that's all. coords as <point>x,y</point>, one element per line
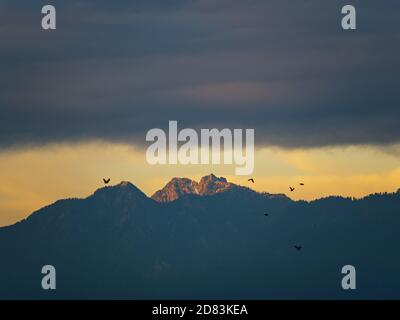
<point>298,248</point>
<point>106,181</point>
<point>291,189</point>
<point>251,180</point>
<point>301,183</point>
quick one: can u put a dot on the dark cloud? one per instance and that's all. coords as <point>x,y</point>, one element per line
<point>113,71</point>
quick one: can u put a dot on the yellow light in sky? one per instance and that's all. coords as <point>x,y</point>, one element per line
<point>35,177</point>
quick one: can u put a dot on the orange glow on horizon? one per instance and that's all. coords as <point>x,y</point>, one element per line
<point>37,177</point>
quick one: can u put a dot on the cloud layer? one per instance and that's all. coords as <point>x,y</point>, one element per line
<point>112,71</point>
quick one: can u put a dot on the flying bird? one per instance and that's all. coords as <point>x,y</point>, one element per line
<point>301,183</point>
<point>291,189</point>
<point>251,180</point>
<point>106,181</point>
<point>298,248</point>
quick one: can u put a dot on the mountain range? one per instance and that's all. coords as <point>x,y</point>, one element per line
<point>207,186</point>
<point>203,240</point>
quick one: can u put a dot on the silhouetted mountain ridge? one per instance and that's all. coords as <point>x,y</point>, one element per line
<point>211,241</point>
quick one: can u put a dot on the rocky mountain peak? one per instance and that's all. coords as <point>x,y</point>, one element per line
<point>174,189</point>
<point>211,184</point>
<point>178,187</point>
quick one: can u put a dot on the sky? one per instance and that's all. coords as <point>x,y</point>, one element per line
<point>76,102</point>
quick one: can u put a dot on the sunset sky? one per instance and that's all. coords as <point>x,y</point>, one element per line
<point>76,102</point>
